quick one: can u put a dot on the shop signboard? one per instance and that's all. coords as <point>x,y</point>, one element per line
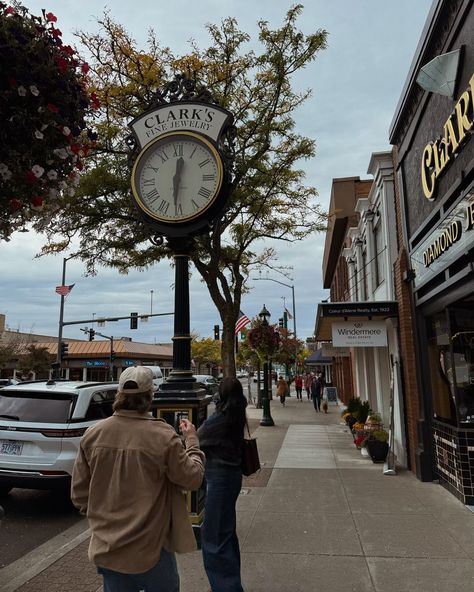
<point>359,334</point>
<point>329,351</point>
<point>446,243</point>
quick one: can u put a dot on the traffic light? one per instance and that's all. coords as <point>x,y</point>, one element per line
<point>285,320</point>
<point>280,322</point>
<point>91,334</point>
<point>113,355</point>
<point>134,320</point>
<point>216,332</point>
<point>64,349</point>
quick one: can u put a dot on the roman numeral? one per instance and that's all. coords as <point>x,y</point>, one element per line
<point>152,195</point>
<point>178,210</point>
<point>164,157</point>
<point>208,178</point>
<point>196,207</point>
<point>204,162</point>
<point>155,170</point>
<point>163,207</point>
<point>192,153</point>
<point>204,192</point>
<point>148,182</point>
<point>178,150</point>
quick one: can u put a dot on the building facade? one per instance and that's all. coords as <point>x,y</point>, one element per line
<point>432,132</point>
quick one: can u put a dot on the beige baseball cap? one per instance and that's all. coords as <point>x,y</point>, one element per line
<point>141,376</point>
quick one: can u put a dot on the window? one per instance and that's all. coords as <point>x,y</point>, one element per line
<point>100,405</point>
<point>35,407</point>
<point>379,249</point>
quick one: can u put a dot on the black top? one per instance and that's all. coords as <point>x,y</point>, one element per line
<point>221,439</point>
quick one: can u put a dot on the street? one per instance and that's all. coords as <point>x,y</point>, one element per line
<point>32,517</point>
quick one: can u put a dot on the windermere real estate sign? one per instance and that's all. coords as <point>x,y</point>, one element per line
<point>359,334</point>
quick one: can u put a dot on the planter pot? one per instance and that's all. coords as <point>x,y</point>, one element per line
<point>377,450</point>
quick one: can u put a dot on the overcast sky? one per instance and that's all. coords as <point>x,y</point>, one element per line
<point>356,85</point>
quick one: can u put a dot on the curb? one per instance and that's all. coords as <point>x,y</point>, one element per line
<point>33,563</point>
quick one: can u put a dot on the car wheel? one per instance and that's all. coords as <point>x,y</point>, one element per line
<point>5,490</point>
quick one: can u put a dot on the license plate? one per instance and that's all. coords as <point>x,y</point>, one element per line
<point>11,447</point>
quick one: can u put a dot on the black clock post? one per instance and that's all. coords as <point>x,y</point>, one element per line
<point>181,156</point>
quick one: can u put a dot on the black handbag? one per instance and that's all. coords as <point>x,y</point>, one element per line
<point>250,460</point>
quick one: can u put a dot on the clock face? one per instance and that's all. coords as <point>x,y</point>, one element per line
<point>177,177</point>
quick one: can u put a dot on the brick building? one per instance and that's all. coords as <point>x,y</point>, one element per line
<point>434,271</point>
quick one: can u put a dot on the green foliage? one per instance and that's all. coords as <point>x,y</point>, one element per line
<point>36,359</point>
<point>205,351</point>
<point>380,435</point>
<point>362,412</point>
<point>353,405</point>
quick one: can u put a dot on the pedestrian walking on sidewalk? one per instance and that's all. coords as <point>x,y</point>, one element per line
<point>128,479</point>
<point>308,380</point>
<point>221,438</point>
<point>299,387</point>
<point>282,389</point>
<point>317,391</point>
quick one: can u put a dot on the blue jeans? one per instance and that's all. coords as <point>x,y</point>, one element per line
<point>163,577</point>
<point>220,545</point>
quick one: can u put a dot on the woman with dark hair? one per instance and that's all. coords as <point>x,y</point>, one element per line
<point>220,438</point>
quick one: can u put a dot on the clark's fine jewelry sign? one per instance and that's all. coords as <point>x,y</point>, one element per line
<point>359,334</point>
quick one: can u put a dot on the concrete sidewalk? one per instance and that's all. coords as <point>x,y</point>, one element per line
<point>317,517</point>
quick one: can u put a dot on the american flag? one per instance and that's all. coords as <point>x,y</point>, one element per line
<point>290,316</point>
<point>64,290</point>
<point>242,321</point>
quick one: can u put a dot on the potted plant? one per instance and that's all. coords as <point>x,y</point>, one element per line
<point>373,422</point>
<point>362,411</point>
<point>359,441</point>
<point>377,445</point>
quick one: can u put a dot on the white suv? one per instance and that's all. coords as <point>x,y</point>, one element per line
<point>41,424</point>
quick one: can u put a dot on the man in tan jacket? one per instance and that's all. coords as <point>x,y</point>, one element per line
<point>128,479</point>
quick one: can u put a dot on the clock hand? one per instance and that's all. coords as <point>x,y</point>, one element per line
<point>177,178</point>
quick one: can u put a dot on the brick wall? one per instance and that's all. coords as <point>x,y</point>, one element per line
<point>406,330</point>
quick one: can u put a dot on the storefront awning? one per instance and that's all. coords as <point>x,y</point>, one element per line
<point>328,312</point>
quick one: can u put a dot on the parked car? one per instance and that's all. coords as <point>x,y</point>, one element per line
<point>255,376</point>
<point>41,424</point>
<point>157,376</point>
<point>208,382</point>
<point>8,382</point>
<point>242,374</point>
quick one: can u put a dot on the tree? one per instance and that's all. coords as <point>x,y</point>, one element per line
<point>206,351</point>
<point>36,359</point>
<point>290,348</point>
<point>270,201</point>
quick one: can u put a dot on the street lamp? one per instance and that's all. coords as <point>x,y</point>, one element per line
<point>292,293</point>
<point>57,364</point>
<point>267,419</point>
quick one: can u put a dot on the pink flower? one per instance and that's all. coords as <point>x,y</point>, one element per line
<point>66,131</point>
<point>56,33</point>
<point>31,178</point>
<point>61,64</point>
<point>10,10</point>
<point>34,90</point>
<point>51,18</point>
<point>85,68</point>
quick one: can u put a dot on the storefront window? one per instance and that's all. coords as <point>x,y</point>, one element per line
<point>451,360</point>
<point>379,249</point>
<point>442,380</point>
<point>462,338</point>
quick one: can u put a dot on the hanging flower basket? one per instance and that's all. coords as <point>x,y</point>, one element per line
<point>44,102</point>
<point>263,339</point>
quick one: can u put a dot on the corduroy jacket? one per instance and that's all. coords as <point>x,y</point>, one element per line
<point>129,480</point>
